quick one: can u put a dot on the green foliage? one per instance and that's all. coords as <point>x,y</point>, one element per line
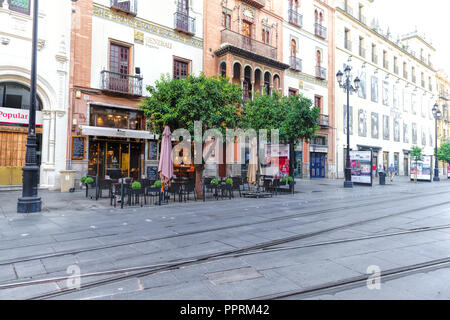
<point>83,179</point>
<point>294,116</point>
<point>416,153</point>
<point>157,184</point>
<point>89,180</point>
<point>444,152</point>
<point>179,103</point>
<point>284,180</point>
<point>214,181</point>
<point>229,181</point>
<point>136,186</point>
<point>290,179</point>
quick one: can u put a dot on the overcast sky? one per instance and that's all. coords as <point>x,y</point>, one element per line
<point>431,17</point>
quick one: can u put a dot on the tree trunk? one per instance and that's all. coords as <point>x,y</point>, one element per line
<point>415,174</point>
<point>199,180</point>
<point>291,159</point>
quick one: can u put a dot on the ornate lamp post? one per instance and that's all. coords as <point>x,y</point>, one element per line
<point>437,116</point>
<point>348,88</point>
<point>30,202</point>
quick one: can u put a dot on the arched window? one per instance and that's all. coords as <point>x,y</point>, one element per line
<point>223,69</point>
<point>267,83</point>
<point>321,18</point>
<point>316,16</point>
<point>16,95</point>
<point>276,83</point>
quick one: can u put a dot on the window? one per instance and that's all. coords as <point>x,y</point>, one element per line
<point>180,69</point>
<point>22,6</point>
<point>265,35</point>
<point>226,20</point>
<point>116,118</point>
<point>293,92</point>
<point>318,102</point>
<point>223,69</point>
<point>348,44</point>
<point>183,6</point>
<point>17,96</point>
<point>119,58</point>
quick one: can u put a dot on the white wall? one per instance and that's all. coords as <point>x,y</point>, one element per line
<point>52,68</point>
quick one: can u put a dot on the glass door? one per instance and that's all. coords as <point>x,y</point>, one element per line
<point>135,161</point>
<point>112,159</point>
<point>125,159</point>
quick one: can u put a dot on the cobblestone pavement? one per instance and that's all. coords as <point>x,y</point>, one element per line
<point>302,231</point>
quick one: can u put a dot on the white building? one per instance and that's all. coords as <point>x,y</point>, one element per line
<point>392,110</point>
<point>306,28</point>
<point>52,83</point>
<point>121,47</point>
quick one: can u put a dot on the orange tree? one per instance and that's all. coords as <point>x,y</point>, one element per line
<point>180,103</point>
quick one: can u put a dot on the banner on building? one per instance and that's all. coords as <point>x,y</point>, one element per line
<point>423,169</point>
<point>448,171</point>
<point>361,165</point>
<point>18,116</point>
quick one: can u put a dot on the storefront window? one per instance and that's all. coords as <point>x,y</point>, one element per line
<point>17,96</point>
<point>116,118</point>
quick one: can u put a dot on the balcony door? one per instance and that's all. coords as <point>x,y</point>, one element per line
<point>247,32</point>
<point>119,64</point>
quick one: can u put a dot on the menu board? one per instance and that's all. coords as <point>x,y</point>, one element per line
<point>78,148</point>
<point>152,173</point>
<point>423,169</point>
<point>448,171</point>
<point>153,150</point>
<point>361,165</point>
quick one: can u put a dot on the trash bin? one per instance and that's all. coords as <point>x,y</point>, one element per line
<point>382,178</point>
<point>67,180</point>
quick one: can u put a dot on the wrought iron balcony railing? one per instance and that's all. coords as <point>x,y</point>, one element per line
<point>324,120</point>
<point>295,63</point>
<point>129,6</point>
<point>184,23</point>
<point>321,73</point>
<point>320,31</point>
<point>444,96</point>
<point>405,74</point>
<point>423,83</point>
<point>362,19</point>
<point>396,69</point>
<point>386,64</point>
<point>414,79</point>
<point>121,83</point>
<point>295,18</point>
<point>246,43</point>
<point>256,3</point>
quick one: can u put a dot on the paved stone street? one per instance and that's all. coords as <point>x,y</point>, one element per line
<point>321,243</point>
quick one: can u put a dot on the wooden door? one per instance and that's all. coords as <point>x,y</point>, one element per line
<point>119,64</point>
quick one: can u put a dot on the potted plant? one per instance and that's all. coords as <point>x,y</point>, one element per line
<point>291,183</point>
<point>91,188</point>
<point>215,182</point>
<point>283,181</point>
<point>136,187</point>
<point>83,181</point>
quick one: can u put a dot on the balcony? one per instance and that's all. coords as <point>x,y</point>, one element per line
<point>374,58</point>
<point>362,19</point>
<point>248,44</point>
<point>414,79</point>
<point>348,45</point>
<point>430,87</point>
<point>120,83</point>
<point>348,9</point>
<point>405,74</point>
<point>423,83</point>
<point>256,3</point>
<point>324,120</point>
<point>295,18</point>
<point>362,52</point>
<point>320,31</point>
<point>444,96</point>
<point>321,73</point>
<point>128,7</point>
<point>396,69</point>
<point>386,64</point>
<point>295,63</point>
<point>184,23</point>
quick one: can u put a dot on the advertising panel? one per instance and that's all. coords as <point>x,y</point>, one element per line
<point>424,169</point>
<point>18,116</point>
<point>361,165</point>
<point>448,171</point>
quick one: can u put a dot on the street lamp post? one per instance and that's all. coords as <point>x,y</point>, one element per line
<point>437,116</point>
<point>30,202</point>
<point>348,88</point>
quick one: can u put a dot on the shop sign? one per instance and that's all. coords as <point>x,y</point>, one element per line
<point>319,149</point>
<point>361,166</point>
<point>18,116</point>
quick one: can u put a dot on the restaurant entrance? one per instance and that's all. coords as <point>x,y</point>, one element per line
<point>115,158</point>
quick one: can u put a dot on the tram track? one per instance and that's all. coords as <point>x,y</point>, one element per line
<point>130,243</point>
<point>173,265</point>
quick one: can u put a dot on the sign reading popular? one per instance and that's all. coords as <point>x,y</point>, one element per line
<point>18,116</point>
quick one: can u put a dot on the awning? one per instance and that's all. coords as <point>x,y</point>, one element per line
<point>117,133</point>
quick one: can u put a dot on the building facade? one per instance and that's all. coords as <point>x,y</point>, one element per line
<point>391,112</point>
<point>443,89</point>
<point>119,48</point>
<point>307,39</point>
<point>52,81</point>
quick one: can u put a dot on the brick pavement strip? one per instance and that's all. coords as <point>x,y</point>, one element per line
<point>85,224</point>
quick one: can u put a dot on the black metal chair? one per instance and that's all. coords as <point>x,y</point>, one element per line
<point>92,189</point>
<point>187,189</point>
<point>104,184</point>
<point>120,190</point>
<point>237,183</point>
<point>175,189</point>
